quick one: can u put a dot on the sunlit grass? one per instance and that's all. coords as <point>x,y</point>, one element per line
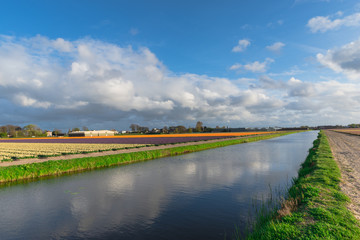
<point>315,207</point>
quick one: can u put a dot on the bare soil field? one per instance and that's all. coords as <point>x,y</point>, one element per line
<point>353,131</point>
<point>346,151</point>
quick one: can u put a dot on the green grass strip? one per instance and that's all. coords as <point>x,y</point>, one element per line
<point>316,207</point>
<point>49,168</point>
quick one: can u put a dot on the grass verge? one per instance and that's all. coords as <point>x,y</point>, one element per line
<point>315,207</point>
<point>49,168</point>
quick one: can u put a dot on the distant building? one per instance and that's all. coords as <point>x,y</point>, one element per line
<point>155,130</point>
<point>48,133</point>
<point>94,133</point>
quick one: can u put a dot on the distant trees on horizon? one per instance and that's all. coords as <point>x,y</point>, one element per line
<point>135,128</point>
<point>32,130</point>
<point>17,131</point>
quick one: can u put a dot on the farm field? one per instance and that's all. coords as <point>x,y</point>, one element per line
<point>18,150</point>
<point>352,131</point>
<point>192,177</point>
<point>136,139</point>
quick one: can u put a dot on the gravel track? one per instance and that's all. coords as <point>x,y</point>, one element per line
<point>346,151</point>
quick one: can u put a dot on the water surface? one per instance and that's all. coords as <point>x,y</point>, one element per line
<point>194,196</point>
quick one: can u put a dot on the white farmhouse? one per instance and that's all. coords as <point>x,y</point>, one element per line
<point>94,133</point>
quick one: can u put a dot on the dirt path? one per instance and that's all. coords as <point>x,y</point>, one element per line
<point>96,154</point>
<point>346,151</point>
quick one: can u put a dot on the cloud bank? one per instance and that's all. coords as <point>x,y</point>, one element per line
<point>343,60</point>
<point>63,84</point>
<point>87,78</point>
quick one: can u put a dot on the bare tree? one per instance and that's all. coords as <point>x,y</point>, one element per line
<point>134,127</point>
<point>199,126</point>
<point>165,129</point>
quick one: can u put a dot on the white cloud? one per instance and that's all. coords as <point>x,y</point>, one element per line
<point>96,82</point>
<point>298,88</point>
<point>25,101</point>
<point>343,60</point>
<point>254,66</point>
<point>95,79</point>
<point>242,45</point>
<point>236,66</point>
<point>315,103</point>
<point>276,47</point>
<point>266,82</point>
<point>323,24</point>
<point>62,45</point>
<point>291,72</point>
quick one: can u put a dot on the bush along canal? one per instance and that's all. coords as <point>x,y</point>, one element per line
<point>59,167</point>
<point>315,207</point>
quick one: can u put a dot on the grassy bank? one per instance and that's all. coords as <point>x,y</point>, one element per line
<point>315,207</point>
<point>36,170</point>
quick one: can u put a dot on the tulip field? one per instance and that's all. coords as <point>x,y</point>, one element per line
<point>136,139</point>
<point>14,149</point>
<point>18,150</point>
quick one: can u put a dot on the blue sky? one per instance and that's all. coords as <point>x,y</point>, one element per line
<point>107,64</point>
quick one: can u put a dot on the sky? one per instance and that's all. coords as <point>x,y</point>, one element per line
<point>250,63</point>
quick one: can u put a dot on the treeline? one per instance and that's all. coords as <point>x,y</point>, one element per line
<point>30,130</point>
<point>135,128</point>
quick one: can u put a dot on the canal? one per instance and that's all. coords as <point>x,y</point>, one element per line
<point>201,195</point>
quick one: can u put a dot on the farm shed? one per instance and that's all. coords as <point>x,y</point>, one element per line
<point>94,133</point>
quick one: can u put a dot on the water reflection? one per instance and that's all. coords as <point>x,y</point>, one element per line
<point>200,195</point>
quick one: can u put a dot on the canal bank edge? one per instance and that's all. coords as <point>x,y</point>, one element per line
<point>59,167</point>
<point>315,207</point>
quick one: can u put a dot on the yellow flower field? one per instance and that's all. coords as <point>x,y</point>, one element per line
<point>26,150</point>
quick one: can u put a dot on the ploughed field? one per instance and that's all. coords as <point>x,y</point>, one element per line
<point>12,149</point>
<point>352,131</point>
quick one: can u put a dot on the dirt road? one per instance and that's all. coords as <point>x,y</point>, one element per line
<point>346,151</point>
